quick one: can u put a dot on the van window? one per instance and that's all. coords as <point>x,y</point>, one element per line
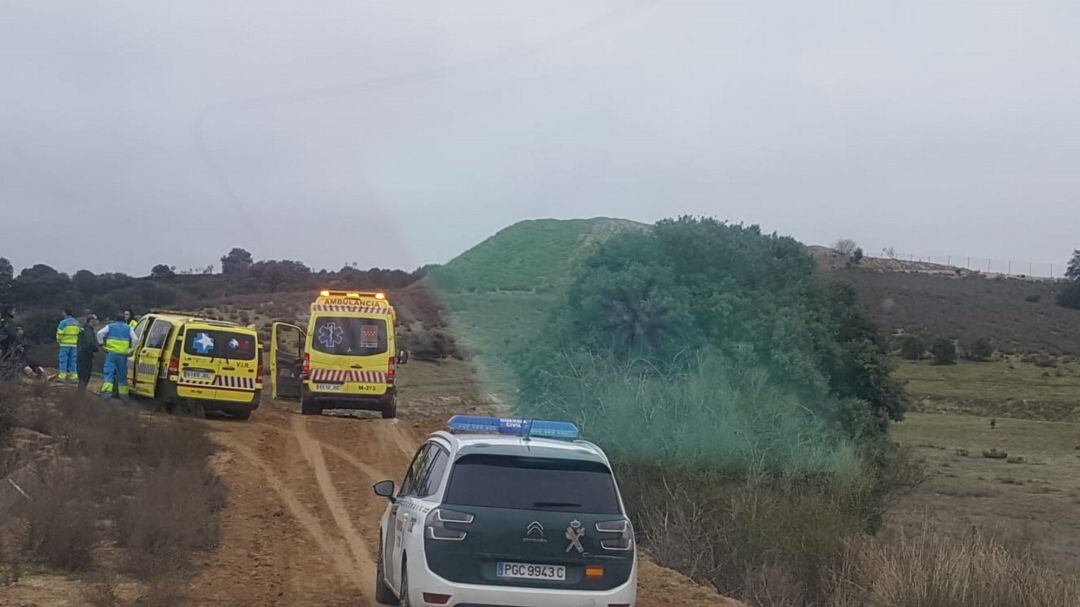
<point>159,331</point>
<point>349,335</point>
<point>217,343</point>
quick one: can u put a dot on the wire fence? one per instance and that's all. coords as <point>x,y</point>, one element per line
<point>1009,267</point>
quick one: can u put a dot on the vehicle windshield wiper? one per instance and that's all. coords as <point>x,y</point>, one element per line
<point>555,505</point>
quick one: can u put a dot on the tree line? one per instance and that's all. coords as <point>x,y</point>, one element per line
<point>40,292</point>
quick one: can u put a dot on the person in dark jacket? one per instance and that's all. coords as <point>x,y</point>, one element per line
<point>88,347</point>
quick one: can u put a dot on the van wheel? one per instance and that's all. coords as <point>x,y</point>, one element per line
<point>389,409</point>
<point>308,406</point>
<point>242,414</point>
<point>383,594</point>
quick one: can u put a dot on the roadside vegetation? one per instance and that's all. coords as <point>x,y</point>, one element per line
<point>118,497</point>
<point>746,400</point>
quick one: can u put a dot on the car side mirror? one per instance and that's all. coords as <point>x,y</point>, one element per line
<point>402,357</point>
<point>385,489</point>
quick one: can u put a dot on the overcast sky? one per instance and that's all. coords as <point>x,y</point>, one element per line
<point>402,133</point>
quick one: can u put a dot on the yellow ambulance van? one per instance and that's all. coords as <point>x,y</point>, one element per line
<point>346,358</point>
<point>215,364</point>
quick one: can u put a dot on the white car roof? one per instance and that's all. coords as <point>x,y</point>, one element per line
<point>462,444</point>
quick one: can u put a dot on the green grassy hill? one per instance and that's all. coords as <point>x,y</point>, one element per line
<point>532,255</point>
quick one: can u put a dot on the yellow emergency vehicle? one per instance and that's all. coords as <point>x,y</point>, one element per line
<point>181,358</point>
<point>346,358</point>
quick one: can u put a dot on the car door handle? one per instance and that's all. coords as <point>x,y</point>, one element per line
<point>228,368</point>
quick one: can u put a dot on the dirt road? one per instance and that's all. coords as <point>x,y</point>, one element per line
<point>301,527</point>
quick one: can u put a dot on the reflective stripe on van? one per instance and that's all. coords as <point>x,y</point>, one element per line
<point>334,375</point>
<point>221,381</point>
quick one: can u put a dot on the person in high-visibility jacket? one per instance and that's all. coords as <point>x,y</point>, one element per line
<point>67,337</point>
<point>129,318</point>
<point>118,338</point>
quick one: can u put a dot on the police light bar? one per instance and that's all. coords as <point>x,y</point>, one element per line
<point>526,428</point>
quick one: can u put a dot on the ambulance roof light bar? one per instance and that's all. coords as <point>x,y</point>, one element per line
<point>525,428</point>
<point>352,294</point>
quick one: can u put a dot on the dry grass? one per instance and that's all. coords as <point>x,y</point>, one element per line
<point>933,570</point>
<point>111,489</point>
<point>1029,504</point>
<point>770,542</point>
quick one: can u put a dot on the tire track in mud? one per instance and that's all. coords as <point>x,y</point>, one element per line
<point>307,519</point>
<point>363,563</point>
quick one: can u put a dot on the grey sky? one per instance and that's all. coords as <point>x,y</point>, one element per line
<point>398,134</point>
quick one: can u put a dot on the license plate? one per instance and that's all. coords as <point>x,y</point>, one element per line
<point>329,387</point>
<point>527,571</point>
<point>198,375</point>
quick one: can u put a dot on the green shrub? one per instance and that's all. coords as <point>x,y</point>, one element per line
<point>912,347</point>
<point>981,350</point>
<point>1069,295</point>
<point>943,352</point>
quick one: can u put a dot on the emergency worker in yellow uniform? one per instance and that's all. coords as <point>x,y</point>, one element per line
<point>67,337</point>
<point>129,318</point>
<point>118,338</point>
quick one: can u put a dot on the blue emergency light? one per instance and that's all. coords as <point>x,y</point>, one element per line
<point>527,428</point>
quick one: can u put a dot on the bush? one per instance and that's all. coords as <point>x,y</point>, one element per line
<point>1069,295</point>
<point>743,401</point>
<point>112,477</point>
<point>912,347</point>
<point>932,570</point>
<point>981,350</point>
<point>1033,298</point>
<point>943,352</point>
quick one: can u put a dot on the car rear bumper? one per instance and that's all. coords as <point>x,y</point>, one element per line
<point>474,595</point>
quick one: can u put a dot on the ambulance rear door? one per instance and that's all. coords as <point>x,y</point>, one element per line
<point>218,363</point>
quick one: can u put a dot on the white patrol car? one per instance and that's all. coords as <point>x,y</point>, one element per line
<point>506,512</point>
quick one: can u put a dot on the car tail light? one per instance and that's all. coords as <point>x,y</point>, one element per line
<point>438,520</point>
<point>305,368</point>
<point>391,370</point>
<point>594,571</point>
<point>259,372</point>
<point>174,365</point>
<point>619,535</point>
<point>436,599</point>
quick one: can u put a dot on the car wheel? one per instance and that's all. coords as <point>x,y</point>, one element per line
<point>243,414</point>
<point>383,594</point>
<point>405,602</point>
<point>389,409</point>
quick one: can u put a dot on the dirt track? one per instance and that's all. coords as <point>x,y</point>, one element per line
<point>301,527</point>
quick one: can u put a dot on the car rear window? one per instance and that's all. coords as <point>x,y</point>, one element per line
<point>219,344</point>
<point>532,483</point>
<point>349,335</point>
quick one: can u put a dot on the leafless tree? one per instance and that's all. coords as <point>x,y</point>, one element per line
<point>845,247</point>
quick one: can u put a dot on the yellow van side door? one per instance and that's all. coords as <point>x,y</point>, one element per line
<point>133,356</point>
<point>150,357</point>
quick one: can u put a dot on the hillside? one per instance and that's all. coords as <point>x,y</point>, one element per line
<point>1017,314</point>
<point>532,255</point>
